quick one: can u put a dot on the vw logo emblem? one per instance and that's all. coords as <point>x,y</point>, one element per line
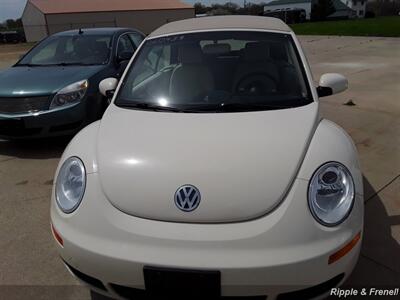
<point>187,198</point>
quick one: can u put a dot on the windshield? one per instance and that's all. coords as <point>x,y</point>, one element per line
<point>216,71</point>
<point>72,49</point>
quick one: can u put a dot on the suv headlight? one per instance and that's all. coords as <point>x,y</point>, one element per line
<point>71,94</point>
<point>70,184</point>
<point>331,194</point>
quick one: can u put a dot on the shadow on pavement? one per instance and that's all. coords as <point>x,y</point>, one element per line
<point>34,148</point>
<point>379,263</point>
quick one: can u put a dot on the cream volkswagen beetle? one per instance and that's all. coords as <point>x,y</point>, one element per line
<point>212,172</point>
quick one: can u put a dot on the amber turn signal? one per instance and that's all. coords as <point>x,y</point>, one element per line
<point>57,236</point>
<point>346,249</point>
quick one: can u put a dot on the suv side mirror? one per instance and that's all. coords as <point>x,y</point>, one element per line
<point>331,83</point>
<point>124,56</point>
<point>107,86</point>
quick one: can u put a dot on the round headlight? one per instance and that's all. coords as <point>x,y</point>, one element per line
<point>70,184</point>
<point>331,194</point>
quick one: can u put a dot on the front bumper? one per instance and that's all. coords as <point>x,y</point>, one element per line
<point>284,251</point>
<point>44,124</point>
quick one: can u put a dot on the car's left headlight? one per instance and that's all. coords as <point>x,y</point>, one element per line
<point>331,194</point>
<point>70,184</point>
<point>70,95</point>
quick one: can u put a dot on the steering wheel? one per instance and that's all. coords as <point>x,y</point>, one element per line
<point>256,84</point>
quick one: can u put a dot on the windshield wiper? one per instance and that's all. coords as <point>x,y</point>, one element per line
<point>240,106</point>
<point>205,108</point>
<point>28,65</point>
<point>154,107</point>
<point>62,64</point>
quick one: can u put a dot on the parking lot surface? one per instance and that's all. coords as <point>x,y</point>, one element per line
<point>31,269</point>
<point>10,53</point>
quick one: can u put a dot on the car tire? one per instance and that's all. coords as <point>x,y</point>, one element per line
<point>95,108</point>
<point>96,296</point>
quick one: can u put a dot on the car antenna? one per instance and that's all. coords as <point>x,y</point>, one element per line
<point>80,31</point>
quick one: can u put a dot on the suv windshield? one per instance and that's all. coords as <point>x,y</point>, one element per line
<point>214,72</point>
<point>79,49</point>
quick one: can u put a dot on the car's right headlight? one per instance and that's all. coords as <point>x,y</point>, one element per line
<point>70,95</point>
<point>331,194</point>
<point>70,184</point>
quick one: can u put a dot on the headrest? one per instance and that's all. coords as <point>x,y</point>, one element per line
<point>255,51</point>
<point>100,46</point>
<point>190,54</point>
<point>278,52</point>
<point>216,48</point>
<point>82,45</point>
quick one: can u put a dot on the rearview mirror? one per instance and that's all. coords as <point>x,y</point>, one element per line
<point>107,86</point>
<point>124,56</point>
<point>331,83</point>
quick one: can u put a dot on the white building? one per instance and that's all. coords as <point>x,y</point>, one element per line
<point>359,6</point>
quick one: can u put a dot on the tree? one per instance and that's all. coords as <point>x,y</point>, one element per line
<point>384,7</point>
<point>228,8</point>
<point>231,7</point>
<point>13,24</point>
<point>220,12</point>
<point>252,9</point>
<point>321,9</point>
<point>200,8</point>
<point>255,9</point>
<point>10,23</point>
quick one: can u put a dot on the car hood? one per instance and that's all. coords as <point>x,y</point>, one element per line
<point>40,81</point>
<point>242,163</point>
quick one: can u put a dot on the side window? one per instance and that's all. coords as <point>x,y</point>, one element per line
<point>136,38</point>
<point>125,44</point>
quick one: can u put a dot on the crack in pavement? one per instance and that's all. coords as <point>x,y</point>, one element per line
<point>381,189</point>
<point>379,263</point>
<point>33,198</point>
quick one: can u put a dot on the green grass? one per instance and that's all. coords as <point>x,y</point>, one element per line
<point>380,26</point>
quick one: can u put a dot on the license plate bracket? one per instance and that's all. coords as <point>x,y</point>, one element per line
<point>182,283</point>
<point>14,123</point>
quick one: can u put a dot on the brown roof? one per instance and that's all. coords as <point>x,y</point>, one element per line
<point>75,6</point>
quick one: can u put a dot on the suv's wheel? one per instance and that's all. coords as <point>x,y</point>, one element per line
<point>97,296</point>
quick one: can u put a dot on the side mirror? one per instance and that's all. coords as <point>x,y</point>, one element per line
<point>331,83</point>
<point>107,86</point>
<point>124,56</point>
